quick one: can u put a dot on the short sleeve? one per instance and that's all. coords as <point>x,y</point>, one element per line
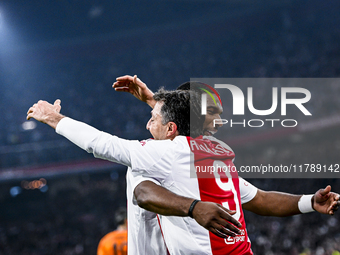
<point>135,180</point>
<point>247,190</point>
<point>153,159</point>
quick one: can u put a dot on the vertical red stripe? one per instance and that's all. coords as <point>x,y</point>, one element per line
<point>210,191</point>
<point>160,226</point>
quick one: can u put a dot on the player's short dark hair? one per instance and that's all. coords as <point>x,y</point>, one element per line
<point>183,108</point>
<point>120,215</point>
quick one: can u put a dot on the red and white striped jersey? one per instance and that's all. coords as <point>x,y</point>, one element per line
<point>200,168</point>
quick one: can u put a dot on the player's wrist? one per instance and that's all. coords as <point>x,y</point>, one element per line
<point>312,199</point>
<point>151,102</point>
<point>53,119</point>
<point>305,203</point>
<point>191,208</point>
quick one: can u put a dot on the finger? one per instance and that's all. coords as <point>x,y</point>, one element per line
<point>224,230</point>
<point>330,211</point>
<point>120,83</point>
<point>333,208</point>
<point>325,191</point>
<point>125,78</point>
<point>122,89</point>
<point>57,106</point>
<point>226,215</point>
<point>226,209</point>
<point>228,225</point>
<point>57,102</point>
<point>335,205</point>
<point>135,79</point>
<point>217,233</point>
<point>30,110</point>
<point>29,116</point>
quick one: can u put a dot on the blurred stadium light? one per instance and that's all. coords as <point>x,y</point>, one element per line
<point>2,28</point>
<point>9,39</point>
<point>14,191</point>
<point>0,19</point>
<point>29,125</point>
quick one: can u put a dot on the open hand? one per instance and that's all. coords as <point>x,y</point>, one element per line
<point>136,87</point>
<point>46,113</point>
<point>217,219</point>
<point>325,201</point>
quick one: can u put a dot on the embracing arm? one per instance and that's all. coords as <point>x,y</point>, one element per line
<point>136,87</point>
<point>271,203</point>
<point>211,216</point>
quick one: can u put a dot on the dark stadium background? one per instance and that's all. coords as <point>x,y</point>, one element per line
<point>56,199</point>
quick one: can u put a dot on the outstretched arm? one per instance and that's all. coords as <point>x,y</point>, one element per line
<point>271,203</point>
<point>136,87</point>
<point>101,144</point>
<point>211,216</point>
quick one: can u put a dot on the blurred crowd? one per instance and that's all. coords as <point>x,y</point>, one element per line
<point>69,218</point>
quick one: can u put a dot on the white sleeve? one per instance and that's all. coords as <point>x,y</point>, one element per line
<point>247,190</point>
<point>137,179</point>
<point>153,160</point>
<point>101,144</point>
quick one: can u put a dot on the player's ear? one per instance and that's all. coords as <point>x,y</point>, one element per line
<point>172,129</point>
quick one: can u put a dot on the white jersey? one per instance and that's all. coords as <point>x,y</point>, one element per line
<point>166,163</point>
<point>144,233</point>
